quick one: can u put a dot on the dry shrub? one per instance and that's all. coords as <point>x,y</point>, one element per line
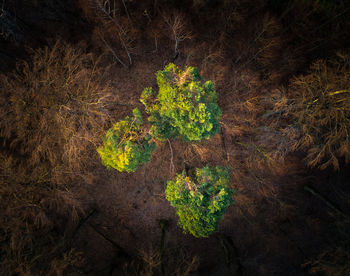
<point>305,27</point>
<point>169,28</point>
<point>34,216</point>
<point>241,109</point>
<point>114,31</point>
<point>258,44</point>
<point>55,108</point>
<point>330,263</point>
<point>256,143</point>
<point>54,111</point>
<point>155,31</point>
<point>213,64</point>
<point>178,28</point>
<point>319,102</point>
<point>152,261</point>
<point>267,50</point>
<point>236,12</point>
<point>71,263</point>
<point>254,172</point>
<point>267,41</point>
<point>278,45</point>
<point>276,133</point>
<point>316,31</point>
<point>176,262</point>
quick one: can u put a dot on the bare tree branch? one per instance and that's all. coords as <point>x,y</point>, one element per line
<point>124,33</point>
<point>177,25</point>
<point>112,51</point>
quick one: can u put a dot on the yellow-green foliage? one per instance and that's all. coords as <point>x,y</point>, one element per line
<point>125,146</point>
<point>184,105</point>
<point>321,106</point>
<point>200,202</point>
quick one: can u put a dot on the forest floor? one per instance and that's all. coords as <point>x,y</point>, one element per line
<point>285,214</point>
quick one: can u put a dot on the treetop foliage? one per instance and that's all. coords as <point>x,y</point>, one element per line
<point>185,105</point>
<point>125,146</point>
<point>201,201</point>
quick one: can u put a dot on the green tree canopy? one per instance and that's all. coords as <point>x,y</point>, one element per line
<point>125,146</point>
<point>200,202</point>
<point>185,105</point>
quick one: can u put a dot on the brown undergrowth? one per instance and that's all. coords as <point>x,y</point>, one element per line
<point>54,110</point>
<point>316,108</point>
<point>57,105</point>
<point>34,215</point>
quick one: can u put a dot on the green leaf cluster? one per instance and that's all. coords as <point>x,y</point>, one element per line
<point>200,202</point>
<point>185,105</point>
<point>125,146</point>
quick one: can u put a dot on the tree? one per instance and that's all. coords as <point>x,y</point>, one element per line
<point>185,105</point>
<point>200,202</point>
<point>125,146</point>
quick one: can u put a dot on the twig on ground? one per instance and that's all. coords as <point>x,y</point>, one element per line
<point>118,247</point>
<point>326,201</point>
<point>82,222</point>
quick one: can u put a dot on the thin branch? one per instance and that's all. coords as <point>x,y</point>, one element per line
<point>120,32</point>
<point>126,10</point>
<point>113,52</point>
<point>126,50</point>
<point>145,13</point>
<point>226,154</point>
<point>163,225</point>
<point>82,222</point>
<point>172,167</point>
<point>118,247</point>
<point>326,201</point>
<point>177,25</point>
<point>156,44</point>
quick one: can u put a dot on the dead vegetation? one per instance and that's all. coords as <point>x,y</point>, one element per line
<point>115,30</point>
<point>34,214</point>
<point>176,262</point>
<point>331,263</point>
<point>56,106</point>
<point>318,102</point>
<point>52,109</point>
<point>55,109</point>
<point>178,28</point>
